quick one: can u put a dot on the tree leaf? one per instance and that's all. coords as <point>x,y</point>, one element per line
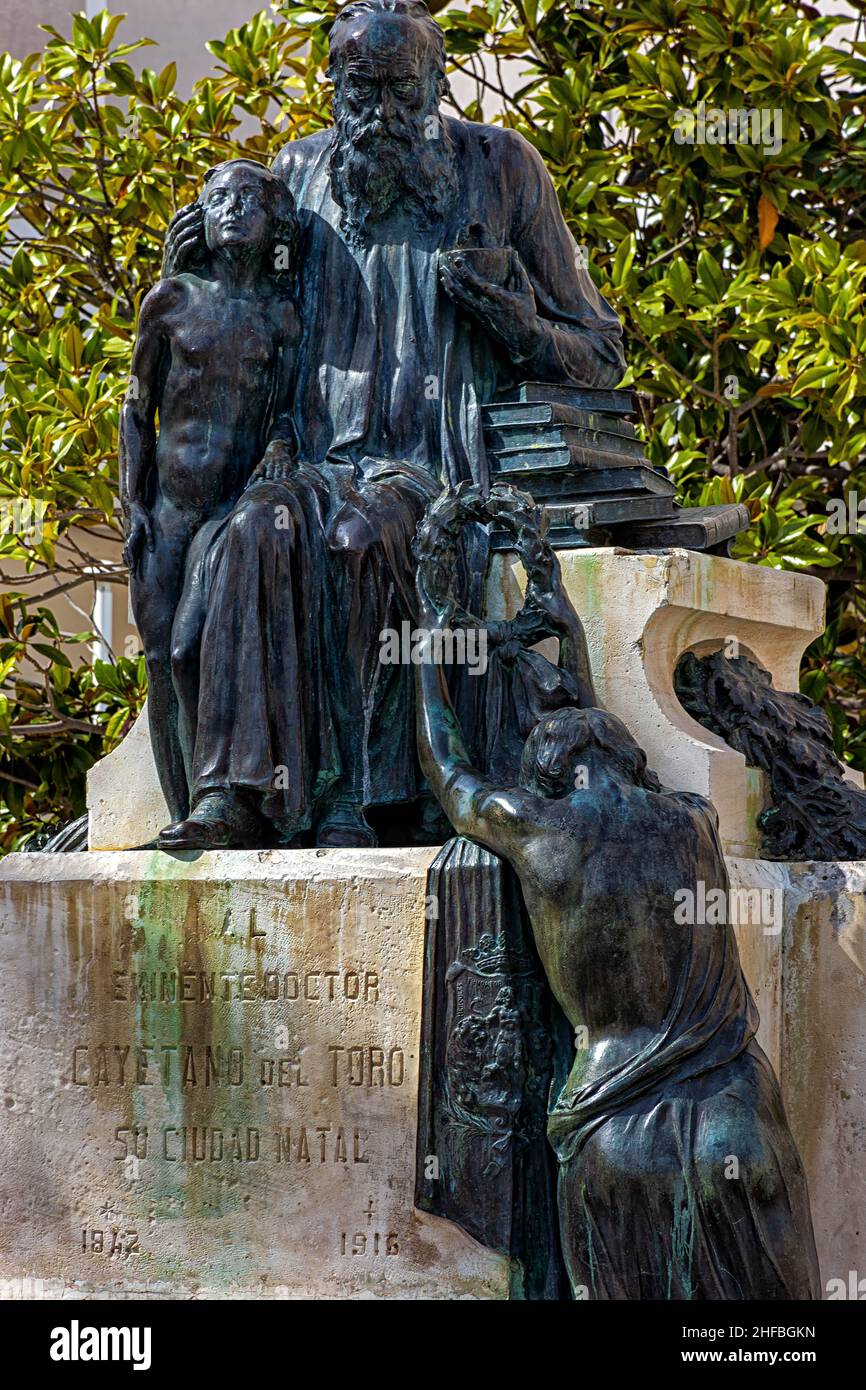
<point>768,216</point>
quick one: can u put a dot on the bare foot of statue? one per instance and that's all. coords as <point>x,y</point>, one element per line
<point>220,820</point>
<point>343,827</point>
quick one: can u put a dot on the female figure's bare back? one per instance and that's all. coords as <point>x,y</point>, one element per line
<point>603,911</point>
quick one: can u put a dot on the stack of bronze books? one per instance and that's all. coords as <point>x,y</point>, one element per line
<point>576,451</point>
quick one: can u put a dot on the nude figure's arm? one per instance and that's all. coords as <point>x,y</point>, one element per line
<point>138,420</point>
<point>502,820</point>
<point>283,428</point>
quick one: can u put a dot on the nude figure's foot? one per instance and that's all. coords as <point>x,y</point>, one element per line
<point>218,821</point>
<point>344,827</point>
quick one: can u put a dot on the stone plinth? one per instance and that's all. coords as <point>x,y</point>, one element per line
<point>209,1071</point>
<point>126,807</point>
<point>210,1079</point>
<point>641,612</point>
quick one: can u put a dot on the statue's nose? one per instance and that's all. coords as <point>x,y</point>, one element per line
<point>384,106</point>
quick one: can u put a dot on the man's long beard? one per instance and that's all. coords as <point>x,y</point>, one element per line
<point>377,167</point>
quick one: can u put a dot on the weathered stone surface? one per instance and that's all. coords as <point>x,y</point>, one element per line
<point>641,612</point>
<point>760,938</point>
<point>124,799</point>
<point>210,1075</point>
<point>809,981</point>
<point>75,928</point>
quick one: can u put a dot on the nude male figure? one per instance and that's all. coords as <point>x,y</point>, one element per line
<point>212,356</point>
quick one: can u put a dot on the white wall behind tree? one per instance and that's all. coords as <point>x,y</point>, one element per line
<point>180,27</point>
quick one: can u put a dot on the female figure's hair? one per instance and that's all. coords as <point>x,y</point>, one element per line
<point>284,223</point>
<point>553,749</point>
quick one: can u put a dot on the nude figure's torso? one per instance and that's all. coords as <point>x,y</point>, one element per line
<point>603,913</point>
<point>217,389</point>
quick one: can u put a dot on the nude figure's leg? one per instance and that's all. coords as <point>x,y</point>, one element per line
<point>186,637</point>
<point>155,589</point>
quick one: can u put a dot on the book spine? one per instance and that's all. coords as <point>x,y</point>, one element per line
<point>504,415</point>
<point>558,436</point>
<point>523,461</point>
<point>583,397</point>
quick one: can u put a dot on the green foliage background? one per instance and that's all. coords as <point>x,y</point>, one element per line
<point>723,260</point>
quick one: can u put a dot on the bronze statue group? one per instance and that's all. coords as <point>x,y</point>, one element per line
<point>309,376</point>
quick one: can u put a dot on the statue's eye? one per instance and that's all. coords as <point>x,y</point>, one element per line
<point>405,90</point>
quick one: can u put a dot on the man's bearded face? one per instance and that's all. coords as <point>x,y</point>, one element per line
<point>390,149</point>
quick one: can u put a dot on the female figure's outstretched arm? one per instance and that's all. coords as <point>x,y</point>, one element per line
<point>498,818</point>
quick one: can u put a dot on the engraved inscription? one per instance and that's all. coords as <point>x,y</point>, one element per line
<point>248,986</point>
<point>112,1243</point>
<point>228,1143</point>
<point>203,1066</point>
<point>367,1065</point>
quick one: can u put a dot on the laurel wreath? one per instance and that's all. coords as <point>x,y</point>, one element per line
<point>504,508</point>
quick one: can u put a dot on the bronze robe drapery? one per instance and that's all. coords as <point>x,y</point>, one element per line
<point>389,377</point>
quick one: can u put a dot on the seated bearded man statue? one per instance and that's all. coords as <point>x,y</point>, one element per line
<point>435,272</point>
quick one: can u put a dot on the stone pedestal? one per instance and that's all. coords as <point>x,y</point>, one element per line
<point>641,612</point>
<point>804,955</point>
<point>209,1071</point>
<point>210,1079</point>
